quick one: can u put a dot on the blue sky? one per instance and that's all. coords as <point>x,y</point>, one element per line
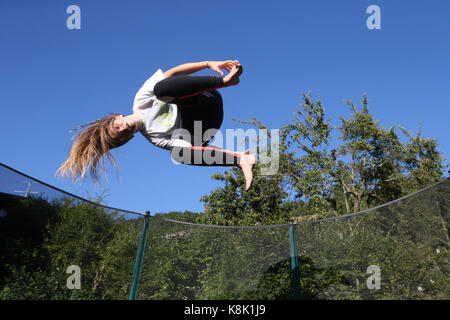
<point>53,79</point>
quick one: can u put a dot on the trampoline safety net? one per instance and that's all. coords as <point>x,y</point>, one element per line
<point>55,245</point>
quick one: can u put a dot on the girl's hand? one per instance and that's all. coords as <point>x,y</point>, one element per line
<point>227,65</point>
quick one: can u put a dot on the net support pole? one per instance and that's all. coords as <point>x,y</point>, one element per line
<point>295,272</point>
<point>139,258</point>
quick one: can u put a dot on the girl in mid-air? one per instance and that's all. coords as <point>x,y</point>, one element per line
<point>174,111</point>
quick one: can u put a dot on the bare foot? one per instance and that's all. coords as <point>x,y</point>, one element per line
<point>232,78</point>
<point>246,163</point>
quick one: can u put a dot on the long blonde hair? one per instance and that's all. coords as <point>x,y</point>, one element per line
<point>89,148</point>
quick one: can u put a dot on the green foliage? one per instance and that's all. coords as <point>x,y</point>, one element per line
<point>40,240</point>
<point>230,205</point>
<point>242,249</point>
<point>371,165</point>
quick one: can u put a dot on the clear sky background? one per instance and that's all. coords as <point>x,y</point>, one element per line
<point>53,79</point>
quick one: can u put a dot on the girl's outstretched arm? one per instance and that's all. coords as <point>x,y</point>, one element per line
<point>191,67</point>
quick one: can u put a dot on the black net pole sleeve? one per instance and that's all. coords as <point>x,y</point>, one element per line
<point>139,258</point>
<point>295,273</point>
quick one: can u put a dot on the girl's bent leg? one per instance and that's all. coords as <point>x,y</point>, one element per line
<point>205,156</point>
<point>212,156</point>
<point>183,87</point>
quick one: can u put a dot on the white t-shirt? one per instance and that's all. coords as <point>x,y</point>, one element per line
<point>159,118</point>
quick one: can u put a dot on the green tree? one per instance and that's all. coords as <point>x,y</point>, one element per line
<point>370,165</point>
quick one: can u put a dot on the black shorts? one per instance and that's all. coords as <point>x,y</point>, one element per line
<point>201,109</point>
